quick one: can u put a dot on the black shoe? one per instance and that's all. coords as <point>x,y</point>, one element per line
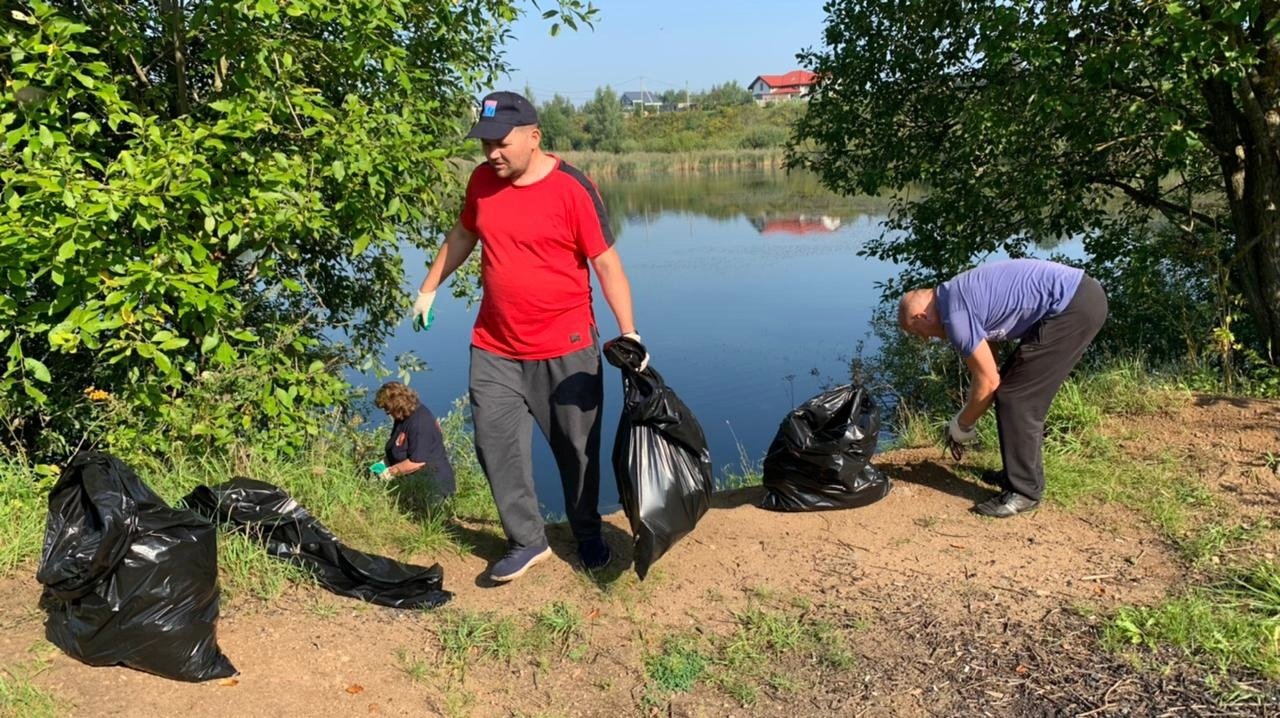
<point>595,553</point>
<point>1006,504</point>
<point>995,479</point>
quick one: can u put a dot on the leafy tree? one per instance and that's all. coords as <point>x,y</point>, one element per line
<point>604,120</point>
<point>726,95</point>
<point>560,125</point>
<point>1148,128</point>
<point>672,98</point>
<point>210,196</point>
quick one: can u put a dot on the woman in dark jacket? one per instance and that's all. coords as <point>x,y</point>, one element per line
<point>416,440</point>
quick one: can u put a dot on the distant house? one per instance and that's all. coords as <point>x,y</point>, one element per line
<point>794,85</point>
<point>643,100</point>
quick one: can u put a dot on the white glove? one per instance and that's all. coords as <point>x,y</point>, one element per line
<point>644,363</point>
<point>422,314</point>
<point>961,434</point>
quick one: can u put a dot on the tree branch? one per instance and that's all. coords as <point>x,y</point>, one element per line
<point>138,71</point>
<point>1154,201</point>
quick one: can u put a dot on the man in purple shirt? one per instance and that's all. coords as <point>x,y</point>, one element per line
<point>1054,311</point>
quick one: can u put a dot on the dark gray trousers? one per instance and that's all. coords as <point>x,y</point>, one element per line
<point>1031,377</point>
<point>564,396</point>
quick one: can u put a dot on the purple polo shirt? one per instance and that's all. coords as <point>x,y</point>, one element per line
<point>1002,300</point>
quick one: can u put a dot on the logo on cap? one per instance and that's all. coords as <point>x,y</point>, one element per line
<point>490,108</point>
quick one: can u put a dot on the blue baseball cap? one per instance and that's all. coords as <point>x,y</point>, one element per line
<point>501,112</point>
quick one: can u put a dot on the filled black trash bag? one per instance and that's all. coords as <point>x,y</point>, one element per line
<point>127,579</point>
<point>820,457</point>
<point>288,531</point>
<point>660,458</point>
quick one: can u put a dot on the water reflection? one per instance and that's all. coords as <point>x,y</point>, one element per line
<point>764,196</point>
<point>797,224</point>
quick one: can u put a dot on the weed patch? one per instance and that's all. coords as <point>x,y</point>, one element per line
<point>678,665</point>
<point>20,697</point>
<point>1230,625</point>
<point>772,647</point>
<point>559,625</point>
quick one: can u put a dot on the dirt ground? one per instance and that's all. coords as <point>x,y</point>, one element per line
<point>947,613</point>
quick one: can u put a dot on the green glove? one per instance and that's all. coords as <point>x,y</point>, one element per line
<point>377,468</point>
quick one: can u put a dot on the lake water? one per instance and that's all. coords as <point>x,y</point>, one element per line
<point>748,292</point>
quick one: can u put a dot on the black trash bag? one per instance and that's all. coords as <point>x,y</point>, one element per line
<point>660,458</point>
<point>820,457</point>
<point>269,515</point>
<point>127,579</point>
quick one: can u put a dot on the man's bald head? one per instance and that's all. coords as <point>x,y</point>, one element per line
<point>918,313</point>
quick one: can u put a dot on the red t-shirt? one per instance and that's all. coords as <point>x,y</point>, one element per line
<point>535,241</point>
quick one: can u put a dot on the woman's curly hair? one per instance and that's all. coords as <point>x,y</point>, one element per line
<point>396,399</point>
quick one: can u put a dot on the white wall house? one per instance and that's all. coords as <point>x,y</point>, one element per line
<point>794,85</point>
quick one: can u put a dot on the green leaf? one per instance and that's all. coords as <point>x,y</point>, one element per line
<point>35,393</point>
<point>38,370</point>
<point>209,342</point>
<point>339,170</point>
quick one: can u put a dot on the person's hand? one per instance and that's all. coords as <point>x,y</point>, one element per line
<point>385,474</point>
<point>957,436</point>
<point>423,314</point>
<point>644,363</point>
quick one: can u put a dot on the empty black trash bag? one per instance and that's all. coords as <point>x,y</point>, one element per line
<point>820,457</point>
<point>268,514</point>
<point>660,458</point>
<point>127,579</point>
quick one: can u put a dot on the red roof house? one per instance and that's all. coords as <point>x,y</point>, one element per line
<point>792,86</point>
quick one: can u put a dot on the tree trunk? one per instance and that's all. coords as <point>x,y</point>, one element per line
<point>1244,123</point>
<point>177,27</point>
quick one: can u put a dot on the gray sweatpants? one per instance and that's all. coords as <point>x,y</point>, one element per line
<point>564,396</point>
<point>1031,377</point>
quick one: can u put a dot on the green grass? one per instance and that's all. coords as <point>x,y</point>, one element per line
<point>1209,542</point>
<point>20,697</point>
<point>747,473</point>
<point>467,636</point>
<point>776,645</point>
<point>23,507</point>
<point>559,625</point>
<point>1230,625</point>
<point>678,665</point>
<point>330,478</point>
<point>245,570</point>
<point>418,669</point>
<point>557,629</point>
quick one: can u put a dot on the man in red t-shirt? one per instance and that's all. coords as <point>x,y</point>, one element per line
<point>534,352</point>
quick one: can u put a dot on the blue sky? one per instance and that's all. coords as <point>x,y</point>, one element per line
<point>663,44</point>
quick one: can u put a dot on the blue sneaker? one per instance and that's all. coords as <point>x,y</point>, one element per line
<point>595,553</point>
<point>517,561</point>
